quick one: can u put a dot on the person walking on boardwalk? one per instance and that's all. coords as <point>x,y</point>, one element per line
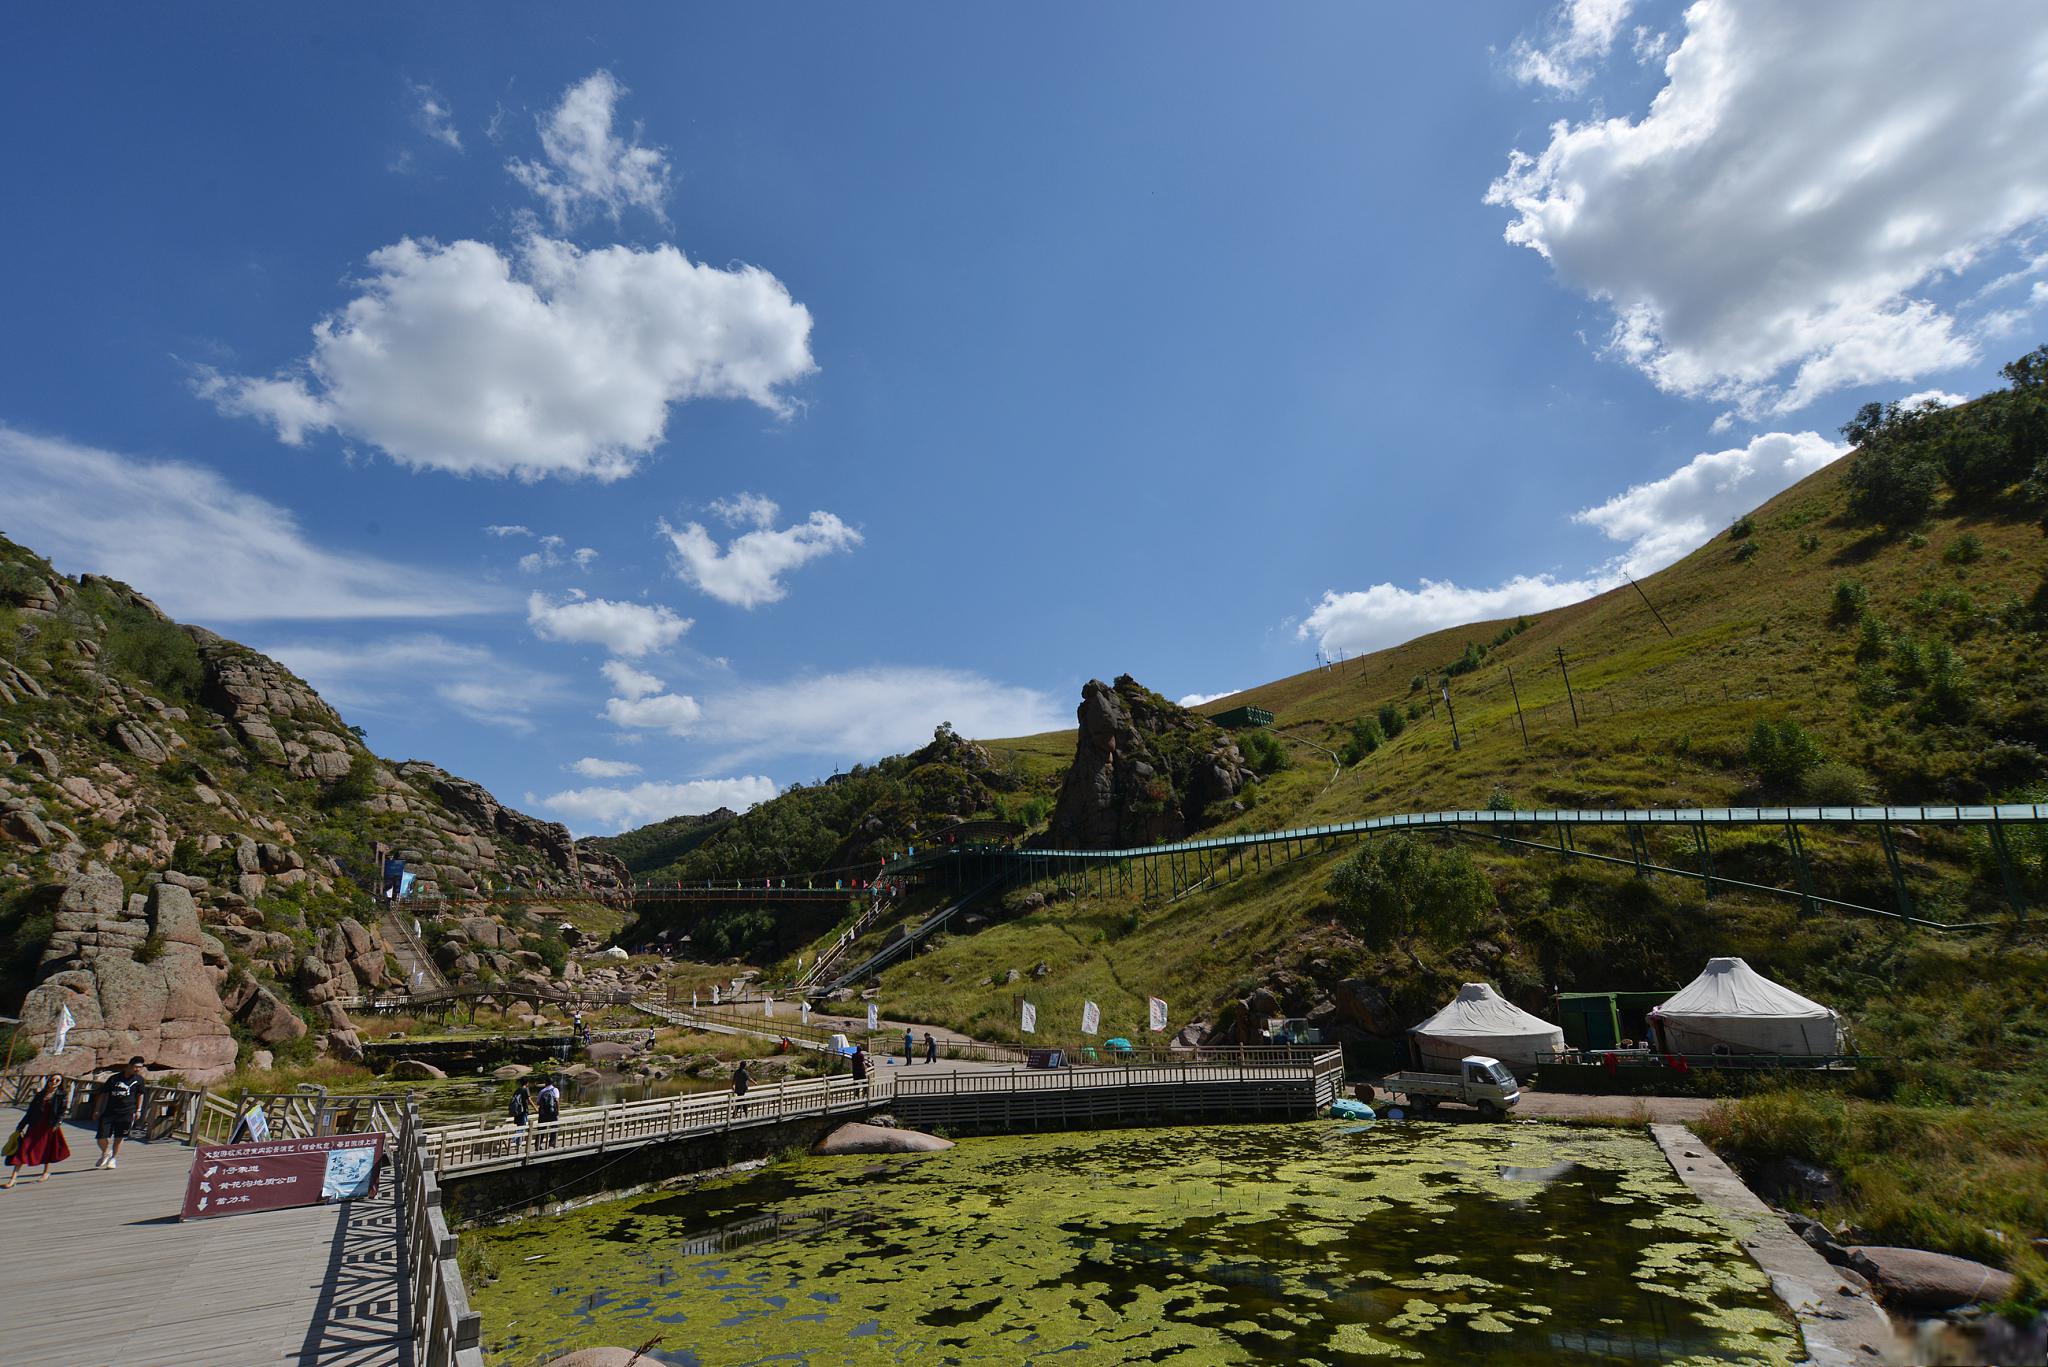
<point>909,1047</point>
<point>740,1080</point>
<point>860,1064</point>
<point>550,1099</point>
<point>39,1138</point>
<point>931,1048</point>
<point>120,1098</point>
<point>521,1108</point>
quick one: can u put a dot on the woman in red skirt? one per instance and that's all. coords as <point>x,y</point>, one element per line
<point>41,1134</point>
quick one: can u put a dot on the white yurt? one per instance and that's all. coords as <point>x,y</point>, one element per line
<point>1481,1021</point>
<point>1733,1009</point>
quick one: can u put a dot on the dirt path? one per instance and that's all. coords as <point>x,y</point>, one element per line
<point>1660,1110</point>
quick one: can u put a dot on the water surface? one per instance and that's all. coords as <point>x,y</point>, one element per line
<point>1311,1243</point>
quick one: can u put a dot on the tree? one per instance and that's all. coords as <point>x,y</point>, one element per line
<point>1892,485</point>
<point>1391,721</point>
<point>1366,737</point>
<point>1398,886</point>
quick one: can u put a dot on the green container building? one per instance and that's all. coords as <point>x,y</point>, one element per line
<point>1602,1020</point>
<point>1238,718</point>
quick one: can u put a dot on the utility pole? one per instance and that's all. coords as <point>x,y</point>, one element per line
<point>1651,606</point>
<point>1520,720</point>
<point>1456,744</point>
<point>1568,686</point>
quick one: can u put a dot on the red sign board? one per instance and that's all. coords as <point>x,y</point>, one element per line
<point>271,1174</point>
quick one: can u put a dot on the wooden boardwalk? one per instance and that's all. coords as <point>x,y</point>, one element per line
<point>102,1273</point>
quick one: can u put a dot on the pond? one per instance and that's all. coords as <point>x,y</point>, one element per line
<point>1312,1243</point>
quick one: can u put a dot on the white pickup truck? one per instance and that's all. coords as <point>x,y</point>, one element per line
<point>1480,1082</point>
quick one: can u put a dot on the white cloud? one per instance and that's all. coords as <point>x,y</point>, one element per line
<point>864,713</point>
<point>382,674</point>
<point>616,809</point>
<point>1940,398</point>
<point>199,546</point>
<point>630,629</point>
<point>1659,522</point>
<point>605,768</point>
<point>502,529</point>
<point>746,510</point>
<point>1667,518</point>
<point>748,572</point>
<point>551,556</point>
<point>1765,231</point>
<point>588,167</point>
<point>554,361</point>
<point>1386,614</point>
<point>1198,699</point>
<point>675,713</point>
<point>1581,33</point>
<point>629,682</point>
<point>434,117</point>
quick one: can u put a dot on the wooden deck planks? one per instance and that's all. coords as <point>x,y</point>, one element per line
<point>104,1274</point>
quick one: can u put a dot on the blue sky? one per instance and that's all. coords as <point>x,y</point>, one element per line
<point>828,373</point>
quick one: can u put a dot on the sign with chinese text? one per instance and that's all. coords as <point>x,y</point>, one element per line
<point>232,1179</point>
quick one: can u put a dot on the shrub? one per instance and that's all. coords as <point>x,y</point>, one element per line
<point>1835,784</point>
<point>1500,800</point>
<point>1741,527</point>
<point>1948,685</point>
<point>1746,551</point>
<point>1873,641</point>
<point>1392,723</point>
<point>158,653</point>
<point>1908,661</point>
<point>1415,684</point>
<point>1849,601</point>
<point>1397,886</point>
<point>1964,550</point>
<point>1264,752</point>
<point>1979,456</point>
<point>1781,753</point>
<point>1891,485</point>
<point>1366,737</point>
<point>359,784</point>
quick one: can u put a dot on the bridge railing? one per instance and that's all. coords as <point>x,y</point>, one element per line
<point>445,1331</point>
<point>488,1143</point>
<point>1324,1072</point>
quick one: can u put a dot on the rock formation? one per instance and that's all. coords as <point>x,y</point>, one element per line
<point>1145,770</point>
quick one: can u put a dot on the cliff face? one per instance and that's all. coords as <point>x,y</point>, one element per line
<point>184,829</point>
<point>1144,770</point>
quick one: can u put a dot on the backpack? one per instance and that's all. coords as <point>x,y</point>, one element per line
<point>518,1108</point>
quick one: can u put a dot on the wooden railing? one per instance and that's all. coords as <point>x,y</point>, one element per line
<point>1324,1072</point>
<point>490,1144</point>
<point>445,1331</point>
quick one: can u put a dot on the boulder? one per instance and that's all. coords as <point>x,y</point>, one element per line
<point>415,1070</point>
<point>510,1072</point>
<point>1367,1006</point>
<point>1793,1181</point>
<point>858,1138</point>
<point>26,827</point>
<point>608,1051</point>
<point>1144,770</point>
<point>270,1019</point>
<point>1913,1279</point>
<point>601,1357</point>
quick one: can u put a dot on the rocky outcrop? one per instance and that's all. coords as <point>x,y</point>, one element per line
<point>454,857</point>
<point>1145,770</point>
<point>1912,1279</point>
<point>138,976</point>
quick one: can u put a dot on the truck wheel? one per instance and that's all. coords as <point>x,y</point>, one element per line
<point>1488,1111</point>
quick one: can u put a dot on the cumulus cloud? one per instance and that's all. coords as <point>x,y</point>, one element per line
<point>1940,398</point>
<point>1669,517</point>
<point>748,572</point>
<point>629,682</point>
<point>384,675</point>
<point>204,549</point>
<point>1198,699</point>
<point>1767,231</point>
<point>588,168</point>
<point>863,713</point>
<point>503,529</point>
<point>552,361</point>
<point>616,809</point>
<point>1581,34</point>
<point>630,629</point>
<point>554,552</point>
<point>434,118</point>
<point>605,768</point>
<point>1657,522</point>
<point>639,702</point>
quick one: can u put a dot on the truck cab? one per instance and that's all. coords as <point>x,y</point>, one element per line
<point>1484,1079</point>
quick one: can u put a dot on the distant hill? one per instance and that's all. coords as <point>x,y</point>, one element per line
<point>656,846</point>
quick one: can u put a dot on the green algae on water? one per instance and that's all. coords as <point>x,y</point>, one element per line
<point>1258,1243</point>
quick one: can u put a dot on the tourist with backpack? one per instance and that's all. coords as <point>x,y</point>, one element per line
<point>521,1108</point>
<point>550,1101</point>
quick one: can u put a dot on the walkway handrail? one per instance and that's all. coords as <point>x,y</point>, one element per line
<point>445,1331</point>
<point>915,937</point>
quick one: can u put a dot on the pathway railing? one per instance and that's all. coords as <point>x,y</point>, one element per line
<point>488,1144</point>
<point>1323,1071</point>
<point>445,1331</point>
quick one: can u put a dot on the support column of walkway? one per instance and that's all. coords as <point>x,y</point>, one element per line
<point>102,1273</point>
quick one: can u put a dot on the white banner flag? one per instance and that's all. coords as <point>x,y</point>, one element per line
<point>804,1010</point>
<point>1091,1019</point>
<point>693,999</point>
<point>874,1016</point>
<point>1155,1010</point>
<point>64,1024</point>
<point>767,1006</point>
<point>714,994</point>
<point>1029,1022</point>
